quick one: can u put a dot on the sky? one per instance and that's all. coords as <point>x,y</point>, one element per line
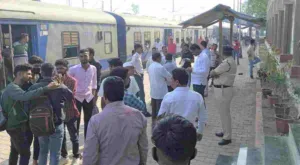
<point>184,9</point>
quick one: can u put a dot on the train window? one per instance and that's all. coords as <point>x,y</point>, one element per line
<point>156,35</point>
<point>70,41</point>
<point>137,37</point>
<point>147,39</point>
<point>177,35</point>
<point>108,43</point>
<point>6,39</point>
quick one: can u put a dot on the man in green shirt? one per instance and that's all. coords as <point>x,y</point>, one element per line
<point>17,118</point>
<point>21,50</point>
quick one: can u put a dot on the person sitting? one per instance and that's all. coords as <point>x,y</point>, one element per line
<point>175,140</point>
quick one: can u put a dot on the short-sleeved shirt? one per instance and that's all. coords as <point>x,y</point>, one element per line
<point>226,71</point>
<point>20,48</point>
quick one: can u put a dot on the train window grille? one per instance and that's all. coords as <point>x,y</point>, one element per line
<point>156,35</point>
<point>70,41</point>
<point>147,39</point>
<point>6,39</point>
<point>137,37</point>
<point>108,43</point>
<point>177,37</point>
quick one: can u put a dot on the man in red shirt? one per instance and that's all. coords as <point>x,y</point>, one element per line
<point>171,47</point>
<point>236,51</point>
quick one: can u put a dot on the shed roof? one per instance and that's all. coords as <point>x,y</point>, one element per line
<point>219,12</point>
<point>32,10</point>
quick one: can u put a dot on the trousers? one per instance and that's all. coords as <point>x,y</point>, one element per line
<point>223,98</point>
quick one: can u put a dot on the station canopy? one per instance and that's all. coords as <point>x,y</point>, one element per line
<point>222,12</point>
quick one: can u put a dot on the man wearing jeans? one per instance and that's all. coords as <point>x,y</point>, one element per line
<point>86,77</point>
<point>200,71</point>
<point>251,56</point>
<point>72,114</point>
<point>57,98</point>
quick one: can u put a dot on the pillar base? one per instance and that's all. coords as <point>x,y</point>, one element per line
<point>285,58</point>
<point>295,71</point>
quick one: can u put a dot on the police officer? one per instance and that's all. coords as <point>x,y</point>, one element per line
<point>224,76</point>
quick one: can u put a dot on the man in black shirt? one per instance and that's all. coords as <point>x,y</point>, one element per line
<point>185,53</point>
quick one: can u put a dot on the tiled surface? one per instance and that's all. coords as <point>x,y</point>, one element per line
<point>242,112</point>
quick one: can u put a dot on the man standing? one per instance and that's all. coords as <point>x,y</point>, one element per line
<point>224,76</point>
<point>86,77</point>
<point>186,53</point>
<point>133,86</point>
<point>21,50</point>
<point>175,141</point>
<point>253,59</point>
<point>169,66</point>
<point>158,77</point>
<point>172,47</point>
<point>98,66</point>
<point>184,102</point>
<point>200,71</point>
<point>58,97</point>
<point>158,45</point>
<point>118,134</point>
<point>71,112</point>
<point>17,125</point>
<point>236,51</point>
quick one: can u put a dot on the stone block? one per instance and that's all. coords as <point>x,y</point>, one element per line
<point>295,71</point>
<point>285,58</point>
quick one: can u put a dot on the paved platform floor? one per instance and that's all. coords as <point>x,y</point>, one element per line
<point>242,111</point>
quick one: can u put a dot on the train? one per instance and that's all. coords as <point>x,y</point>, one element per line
<point>58,31</point>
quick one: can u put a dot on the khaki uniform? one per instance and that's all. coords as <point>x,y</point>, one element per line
<point>223,92</point>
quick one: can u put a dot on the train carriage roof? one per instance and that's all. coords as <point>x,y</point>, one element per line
<point>32,10</point>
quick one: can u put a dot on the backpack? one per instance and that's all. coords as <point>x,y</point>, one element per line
<point>41,116</point>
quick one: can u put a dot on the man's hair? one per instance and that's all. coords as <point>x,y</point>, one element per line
<point>181,76</point>
<point>119,72</point>
<point>155,56</point>
<point>164,47</point>
<point>22,68</point>
<point>62,62</point>
<point>204,43</point>
<point>154,48</point>
<point>187,45</point>
<point>176,137</point>
<point>24,35</point>
<point>252,41</point>
<point>113,89</point>
<point>194,47</point>
<point>83,51</point>
<point>47,69</point>
<point>216,45</point>
<point>91,51</point>
<point>35,60</point>
<point>115,62</point>
<point>136,46</point>
<point>169,57</point>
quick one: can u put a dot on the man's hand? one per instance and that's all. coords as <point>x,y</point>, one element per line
<point>199,137</point>
<point>189,69</point>
<point>53,85</point>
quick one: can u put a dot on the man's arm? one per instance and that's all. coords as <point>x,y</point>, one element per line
<point>98,67</point>
<point>143,144</point>
<point>18,94</point>
<point>164,107</point>
<point>222,68</point>
<point>165,74</point>
<point>91,145</point>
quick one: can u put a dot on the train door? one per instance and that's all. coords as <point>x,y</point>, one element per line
<point>167,34</point>
<point>196,36</point>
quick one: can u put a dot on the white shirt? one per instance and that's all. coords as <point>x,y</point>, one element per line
<point>186,103</point>
<point>133,86</point>
<point>137,63</point>
<point>163,61</point>
<point>158,45</point>
<point>158,77</point>
<point>201,69</point>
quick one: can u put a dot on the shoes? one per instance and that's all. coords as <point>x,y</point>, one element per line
<point>147,114</point>
<point>64,161</point>
<point>224,142</point>
<point>76,161</point>
<point>221,134</point>
<point>251,77</point>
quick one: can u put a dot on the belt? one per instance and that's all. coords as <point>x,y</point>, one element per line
<point>221,86</point>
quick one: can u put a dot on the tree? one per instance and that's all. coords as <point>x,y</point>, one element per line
<point>256,8</point>
<point>135,8</point>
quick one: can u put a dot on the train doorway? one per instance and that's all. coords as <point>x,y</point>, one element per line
<point>167,34</point>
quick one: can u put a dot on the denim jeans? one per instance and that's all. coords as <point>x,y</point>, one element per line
<point>200,89</point>
<point>71,125</point>
<point>36,148</point>
<point>236,56</point>
<point>53,144</point>
<point>20,145</point>
<point>252,63</point>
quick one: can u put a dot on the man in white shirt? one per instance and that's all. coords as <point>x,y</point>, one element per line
<point>139,71</point>
<point>158,77</point>
<point>133,86</point>
<point>158,45</point>
<point>184,102</point>
<point>200,71</point>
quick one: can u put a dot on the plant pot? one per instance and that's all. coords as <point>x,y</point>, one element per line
<point>282,123</point>
<point>273,99</point>
<point>281,109</point>
<point>266,92</point>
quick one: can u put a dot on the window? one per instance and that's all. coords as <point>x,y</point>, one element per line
<point>6,39</point>
<point>137,38</point>
<point>156,35</point>
<point>177,35</point>
<point>147,39</point>
<point>108,43</point>
<point>70,41</point>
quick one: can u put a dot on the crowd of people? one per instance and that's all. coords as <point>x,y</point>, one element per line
<point>44,99</point>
